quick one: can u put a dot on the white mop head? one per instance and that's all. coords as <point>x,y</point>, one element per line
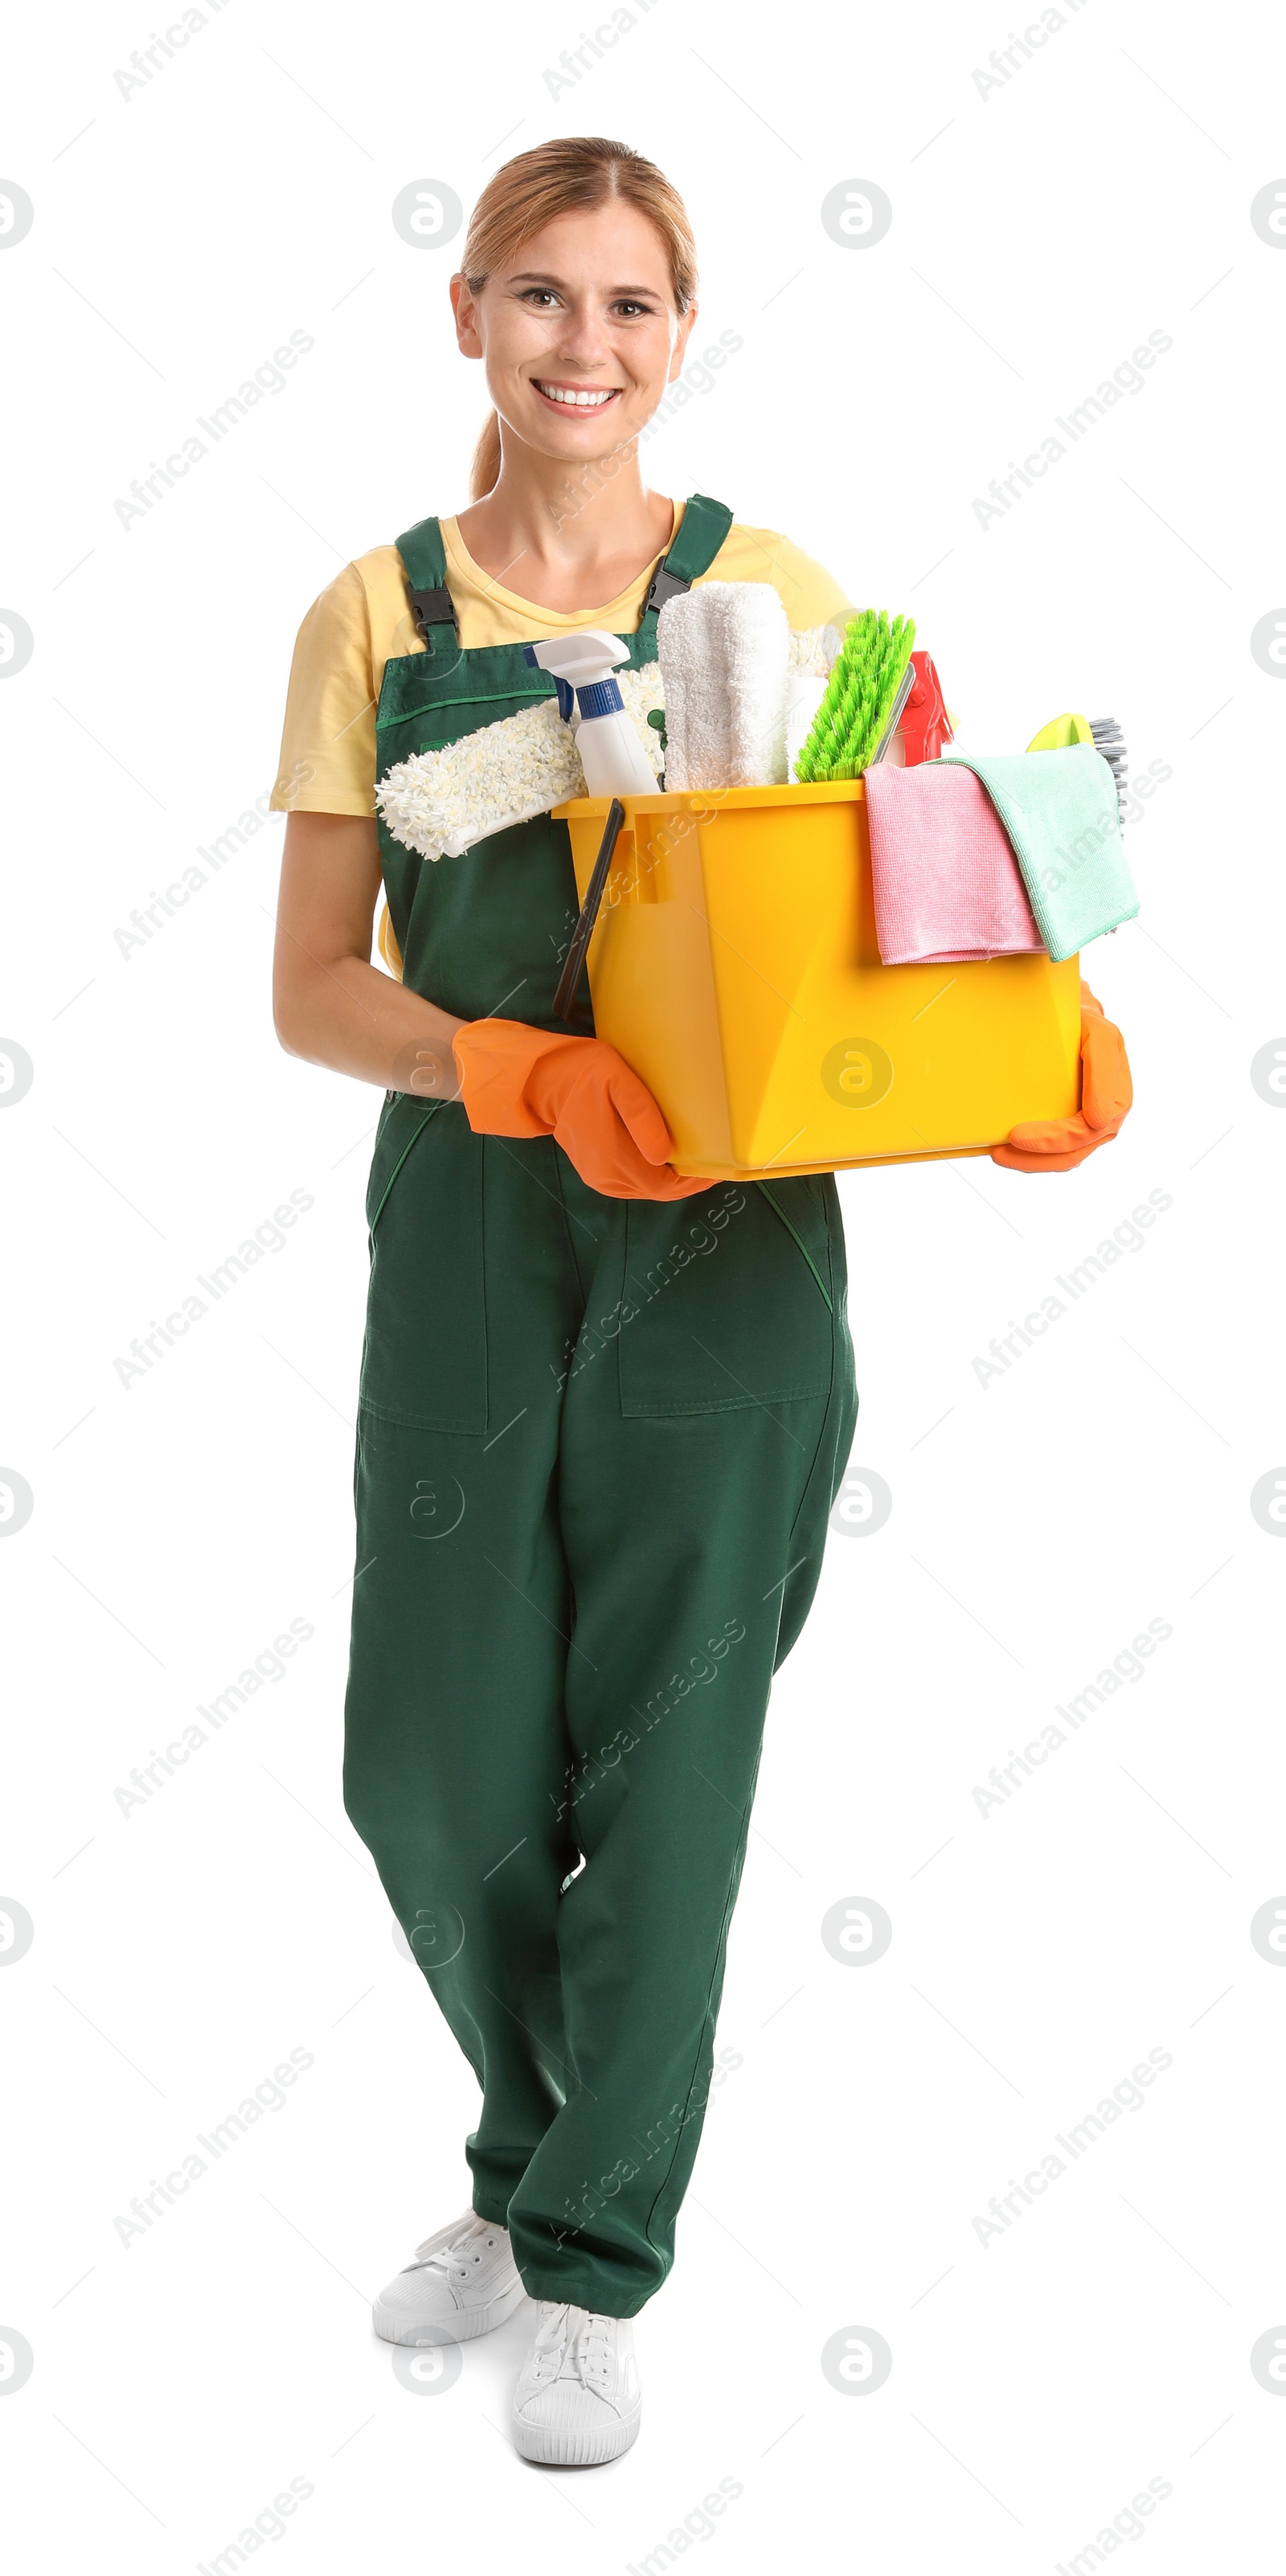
<point>725,649</point>
<point>440,802</point>
<point>815,649</point>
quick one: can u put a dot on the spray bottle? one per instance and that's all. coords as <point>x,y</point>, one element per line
<point>583,665</point>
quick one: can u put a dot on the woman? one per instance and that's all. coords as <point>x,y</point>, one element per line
<point>604,1410</point>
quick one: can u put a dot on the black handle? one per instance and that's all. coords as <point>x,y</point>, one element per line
<point>584,930</point>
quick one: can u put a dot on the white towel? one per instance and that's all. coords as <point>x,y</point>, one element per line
<point>724,650</point>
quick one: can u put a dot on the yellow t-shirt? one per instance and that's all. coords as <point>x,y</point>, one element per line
<point>362,620</point>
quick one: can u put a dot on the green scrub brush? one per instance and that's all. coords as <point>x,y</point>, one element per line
<point>864,697</point>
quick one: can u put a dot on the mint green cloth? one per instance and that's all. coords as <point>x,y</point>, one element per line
<point>1059,809</point>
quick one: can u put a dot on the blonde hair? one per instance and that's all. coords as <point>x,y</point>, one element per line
<point>552,179</point>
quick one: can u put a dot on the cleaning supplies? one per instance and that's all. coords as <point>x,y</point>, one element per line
<point>1105,734</point>
<point>925,724</point>
<point>584,664</point>
<point>1109,743</point>
<point>814,652</point>
<point>1059,732</point>
<point>588,915</point>
<point>1061,816</point>
<point>945,881</point>
<point>865,694</point>
<point>737,970</point>
<point>815,649</point>
<point>724,650</point>
<point>606,730</point>
<point>439,803</point>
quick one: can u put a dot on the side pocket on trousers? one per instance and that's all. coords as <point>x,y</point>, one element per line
<point>803,1224</point>
<point>424,1361</point>
<point>732,1301</point>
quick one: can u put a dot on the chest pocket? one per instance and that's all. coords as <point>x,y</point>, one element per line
<point>731,1299</point>
<point>424,1361</point>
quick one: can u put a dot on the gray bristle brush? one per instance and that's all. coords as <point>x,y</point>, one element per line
<point>1110,741</point>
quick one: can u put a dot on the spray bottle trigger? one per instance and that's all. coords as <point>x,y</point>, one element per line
<point>566,693</point>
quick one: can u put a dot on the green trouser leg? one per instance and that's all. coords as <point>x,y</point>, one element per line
<point>564,1633</point>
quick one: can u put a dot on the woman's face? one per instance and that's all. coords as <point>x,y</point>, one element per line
<point>578,332</point>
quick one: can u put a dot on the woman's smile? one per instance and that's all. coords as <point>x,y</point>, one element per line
<point>566,397</point>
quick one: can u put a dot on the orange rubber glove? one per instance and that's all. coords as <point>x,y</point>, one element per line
<point>1059,1144</point>
<point>519,1081</point>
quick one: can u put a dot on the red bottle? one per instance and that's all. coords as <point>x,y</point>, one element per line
<point>923,726</point>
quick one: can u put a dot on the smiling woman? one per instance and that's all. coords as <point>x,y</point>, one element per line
<point>598,1437</point>
<point>571,349</point>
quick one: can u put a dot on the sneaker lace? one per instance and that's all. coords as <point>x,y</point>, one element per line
<point>455,2260</point>
<point>573,2343</point>
<point>551,2338</point>
<point>594,2346</point>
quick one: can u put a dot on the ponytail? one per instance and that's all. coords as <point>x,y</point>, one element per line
<point>485,469</point>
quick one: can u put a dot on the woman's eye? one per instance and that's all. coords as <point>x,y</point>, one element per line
<point>626,304</point>
<point>539,293</point>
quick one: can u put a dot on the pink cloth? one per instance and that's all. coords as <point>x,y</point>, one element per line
<point>946,881</point>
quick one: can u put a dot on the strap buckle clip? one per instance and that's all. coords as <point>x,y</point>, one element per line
<point>431,608</point>
<point>663,585</point>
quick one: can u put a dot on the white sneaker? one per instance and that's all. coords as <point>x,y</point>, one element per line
<point>463,2282</point>
<point>578,2401</point>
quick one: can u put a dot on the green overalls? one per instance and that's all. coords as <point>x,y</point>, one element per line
<point>598,1443</point>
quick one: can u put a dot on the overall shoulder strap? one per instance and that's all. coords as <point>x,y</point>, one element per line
<point>702,529</point>
<point>425,564</point>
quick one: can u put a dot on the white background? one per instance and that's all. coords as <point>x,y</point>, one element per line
<point>180,1523</point>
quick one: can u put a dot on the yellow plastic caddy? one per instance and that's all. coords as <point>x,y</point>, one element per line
<point>735,967</point>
